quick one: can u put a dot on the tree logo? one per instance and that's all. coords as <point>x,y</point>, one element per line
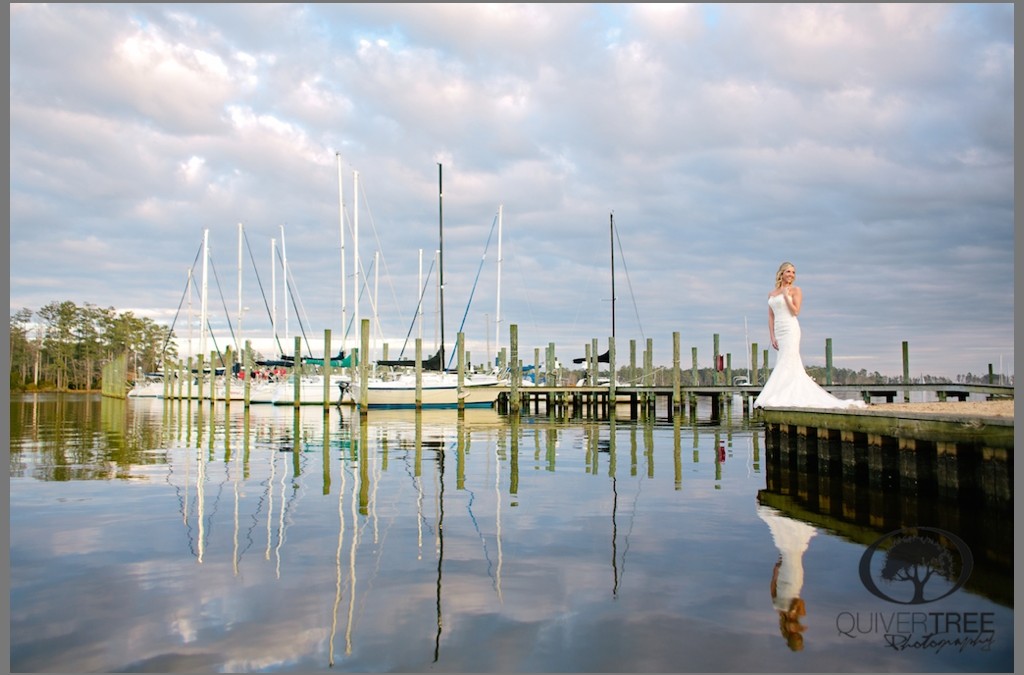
<point>915,566</point>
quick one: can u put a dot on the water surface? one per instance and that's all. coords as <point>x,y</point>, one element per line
<point>187,538</point>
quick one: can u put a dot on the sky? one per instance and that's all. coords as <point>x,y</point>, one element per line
<point>869,145</point>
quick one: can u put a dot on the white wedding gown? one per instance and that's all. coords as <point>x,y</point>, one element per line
<point>789,385</point>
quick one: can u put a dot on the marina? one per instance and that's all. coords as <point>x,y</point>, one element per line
<point>398,515</point>
<point>578,399</point>
<point>319,385</point>
<point>526,338</point>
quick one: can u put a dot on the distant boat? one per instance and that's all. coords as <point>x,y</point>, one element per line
<point>437,390</point>
<point>311,386</point>
<point>261,391</point>
<point>151,386</point>
<point>311,390</point>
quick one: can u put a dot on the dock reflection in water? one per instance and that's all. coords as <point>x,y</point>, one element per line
<point>194,538</point>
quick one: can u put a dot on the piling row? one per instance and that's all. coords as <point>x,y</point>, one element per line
<point>598,397</point>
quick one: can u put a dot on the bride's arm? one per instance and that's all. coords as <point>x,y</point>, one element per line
<point>771,328</point>
<point>794,298</point>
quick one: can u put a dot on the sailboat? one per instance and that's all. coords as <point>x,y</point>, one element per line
<point>211,376</point>
<point>438,388</point>
<point>151,386</point>
<point>311,385</point>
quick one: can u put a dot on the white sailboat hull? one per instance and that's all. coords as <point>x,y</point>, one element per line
<point>147,390</point>
<point>438,390</point>
<point>311,391</point>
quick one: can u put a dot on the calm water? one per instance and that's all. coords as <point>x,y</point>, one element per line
<point>187,539</point>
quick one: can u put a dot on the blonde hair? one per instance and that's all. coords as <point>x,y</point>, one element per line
<point>782,268</point>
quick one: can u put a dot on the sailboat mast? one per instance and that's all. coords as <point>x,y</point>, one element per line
<point>746,341</point>
<point>341,229</point>
<point>440,263</point>
<point>203,296</point>
<point>376,294</point>
<point>273,288</point>
<point>189,286</point>
<point>611,218</point>
<point>238,341</point>
<point>355,257</point>
<point>284,274</point>
<point>497,310</point>
<point>419,289</point>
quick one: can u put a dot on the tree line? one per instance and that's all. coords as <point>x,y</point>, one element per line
<point>64,346</point>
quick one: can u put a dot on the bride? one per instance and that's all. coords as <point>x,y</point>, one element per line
<point>789,385</point>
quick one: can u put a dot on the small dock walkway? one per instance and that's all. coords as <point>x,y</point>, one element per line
<point>989,423</point>
<point>597,400</point>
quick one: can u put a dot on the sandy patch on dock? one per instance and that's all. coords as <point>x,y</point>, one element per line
<point>998,408</point>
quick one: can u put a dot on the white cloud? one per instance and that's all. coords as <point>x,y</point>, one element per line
<point>191,168</point>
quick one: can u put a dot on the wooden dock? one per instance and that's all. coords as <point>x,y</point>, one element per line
<point>672,400</point>
<point>950,423</point>
<point>963,455</point>
<point>865,472</point>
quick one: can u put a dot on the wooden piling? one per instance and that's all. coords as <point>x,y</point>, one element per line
<point>167,383</point>
<point>694,378</point>
<point>631,372</point>
<point>297,373</point>
<point>227,376</point>
<point>200,376</point>
<point>327,369</point>
<point>906,370</point>
<point>828,360</point>
<point>516,377</point>
<point>676,401</point>
<point>461,370</point>
<point>611,375</point>
<point>248,372</point>
<point>212,365</point>
<point>364,374</point>
<point>419,374</point>
<point>715,369</point>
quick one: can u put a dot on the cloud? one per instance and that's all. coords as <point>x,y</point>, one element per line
<point>869,144</point>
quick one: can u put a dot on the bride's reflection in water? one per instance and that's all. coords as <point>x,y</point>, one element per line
<point>791,537</point>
